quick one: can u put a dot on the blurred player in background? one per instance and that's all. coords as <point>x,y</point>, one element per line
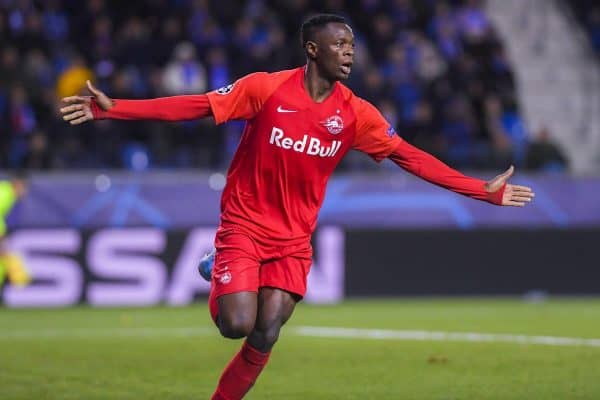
<point>11,264</point>
<point>300,124</point>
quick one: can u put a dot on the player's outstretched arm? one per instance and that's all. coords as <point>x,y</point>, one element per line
<point>496,191</point>
<point>80,109</point>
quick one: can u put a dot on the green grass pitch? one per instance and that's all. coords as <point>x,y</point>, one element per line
<point>175,353</point>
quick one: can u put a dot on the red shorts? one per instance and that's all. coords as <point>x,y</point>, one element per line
<point>242,264</point>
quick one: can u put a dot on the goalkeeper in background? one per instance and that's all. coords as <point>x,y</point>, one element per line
<point>11,264</point>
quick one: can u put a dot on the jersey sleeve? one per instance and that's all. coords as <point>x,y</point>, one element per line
<point>374,135</point>
<point>240,100</point>
<point>175,108</point>
<point>426,166</point>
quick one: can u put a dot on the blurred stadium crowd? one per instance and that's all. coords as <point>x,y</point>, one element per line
<point>437,70</point>
<point>588,12</point>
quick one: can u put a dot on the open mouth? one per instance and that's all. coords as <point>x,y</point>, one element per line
<point>346,68</point>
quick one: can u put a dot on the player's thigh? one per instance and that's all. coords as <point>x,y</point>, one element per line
<point>235,281</point>
<point>238,311</point>
<point>282,285</point>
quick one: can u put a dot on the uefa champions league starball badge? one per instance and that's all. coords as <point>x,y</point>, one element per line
<point>225,89</point>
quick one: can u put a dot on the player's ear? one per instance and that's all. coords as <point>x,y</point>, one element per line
<point>311,49</point>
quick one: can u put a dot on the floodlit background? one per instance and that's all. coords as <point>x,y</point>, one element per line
<point>415,292</point>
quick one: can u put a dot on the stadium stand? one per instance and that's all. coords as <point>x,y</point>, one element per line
<point>438,71</point>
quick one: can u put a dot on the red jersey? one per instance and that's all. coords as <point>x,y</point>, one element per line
<point>289,148</point>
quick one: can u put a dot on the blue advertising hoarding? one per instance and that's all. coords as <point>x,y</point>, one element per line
<point>390,200</point>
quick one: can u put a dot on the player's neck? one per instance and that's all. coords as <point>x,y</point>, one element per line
<point>318,88</point>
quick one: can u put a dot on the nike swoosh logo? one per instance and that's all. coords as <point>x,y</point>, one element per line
<point>283,110</point>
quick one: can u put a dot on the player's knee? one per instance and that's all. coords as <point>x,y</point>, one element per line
<point>236,326</point>
<point>271,335</point>
<point>266,335</point>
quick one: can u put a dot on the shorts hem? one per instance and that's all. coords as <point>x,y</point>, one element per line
<point>223,292</point>
<point>296,293</point>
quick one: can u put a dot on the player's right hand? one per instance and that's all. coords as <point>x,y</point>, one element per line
<point>78,110</point>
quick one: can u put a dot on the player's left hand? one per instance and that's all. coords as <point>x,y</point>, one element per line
<point>78,109</point>
<point>514,195</point>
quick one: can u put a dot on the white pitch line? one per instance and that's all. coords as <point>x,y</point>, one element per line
<point>305,331</point>
<point>388,334</point>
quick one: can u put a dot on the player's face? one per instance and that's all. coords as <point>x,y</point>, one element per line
<point>336,51</point>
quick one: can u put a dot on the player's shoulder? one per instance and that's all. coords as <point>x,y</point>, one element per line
<point>347,93</point>
<point>356,102</point>
<point>271,77</point>
<point>285,74</point>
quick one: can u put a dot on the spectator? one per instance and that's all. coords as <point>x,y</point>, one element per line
<point>71,81</point>
<point>502,147</point>
<point>38,154</point>
<point>473,24</point>
<point>184,74</point>
<point>22,121</point>
<point>10,70</point>
<point>545,155</point>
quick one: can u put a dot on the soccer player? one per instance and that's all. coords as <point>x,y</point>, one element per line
<point>300,124</point>
<point>11,264</point>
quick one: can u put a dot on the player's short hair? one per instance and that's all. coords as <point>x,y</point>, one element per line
<point>313,24</point>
